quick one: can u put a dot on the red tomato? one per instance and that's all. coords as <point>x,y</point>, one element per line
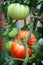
<point>32,40</point>
<point>30,51</point>
<point>18,50</point>
<point>23,35</point>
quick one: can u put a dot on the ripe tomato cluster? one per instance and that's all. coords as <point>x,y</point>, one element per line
<point>17,48</point>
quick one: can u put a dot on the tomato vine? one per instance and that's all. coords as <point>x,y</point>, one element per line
<point>35,15</point>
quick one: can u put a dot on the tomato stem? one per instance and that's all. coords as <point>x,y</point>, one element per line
<point>19,59</point>
<point>18,25</point>
<point>24,22</point>
<point>27,55</point>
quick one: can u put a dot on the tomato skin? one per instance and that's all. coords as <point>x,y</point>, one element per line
<point>7,45</point>
<point>18,50</point>
<point>32,40</point>
<point>13,32</point>
<point>23,35</point>
<point>18,11</point>
<point>29,51</point>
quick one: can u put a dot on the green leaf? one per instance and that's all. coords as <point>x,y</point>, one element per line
<point>20,1</point>
<point>25,28</point>
<point>4,31</point>
<point>0,5</point>
<point>40,1</point>
<point>40,42</point>
<point>1,57</point>
<point>12,62</point>
<point>39,49</point>
<point>37,34</point>
<point>6,59</point>
<point>28,2</point>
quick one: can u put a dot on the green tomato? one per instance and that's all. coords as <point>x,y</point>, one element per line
<point>18,11</point>
<point>13,33</point>
<point>5,33</point>
<point>7,45</point>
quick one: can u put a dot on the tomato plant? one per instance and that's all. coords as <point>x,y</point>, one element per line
<point>24,49</point>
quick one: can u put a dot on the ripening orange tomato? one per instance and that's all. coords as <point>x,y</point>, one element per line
<point>23,35</point>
